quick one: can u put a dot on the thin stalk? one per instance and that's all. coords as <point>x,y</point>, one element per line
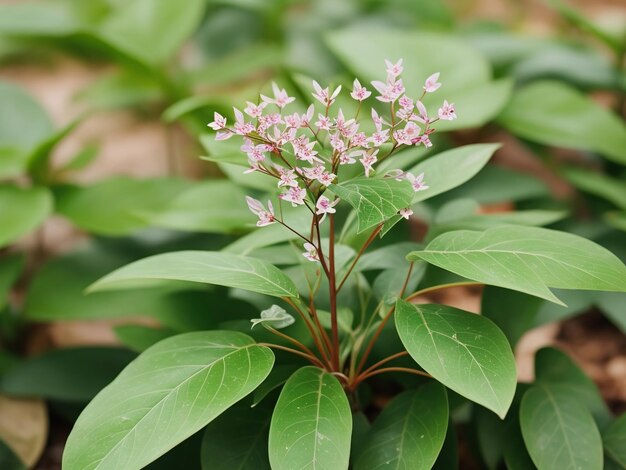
<point>333,294</point>
<point>312,359</point>
<point>367,243</point>
<point>428,290</point>
<point>310,327</point>
<point>293,341</point>
<point>397,369</point>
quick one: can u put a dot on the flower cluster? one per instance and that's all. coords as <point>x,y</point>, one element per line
<point>305,152</point>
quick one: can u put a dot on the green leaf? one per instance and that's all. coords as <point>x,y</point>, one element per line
<point>526,259</point>
<point>276,379</point>
<point>238,439</point>
<point>597,184</point>
<point>10,269</point>
<point>612,306</point>
<point>554,114</point>
<point>490,436</point>
<point>223,269</point>
<point>171,391</point>
<point>139,337</point>
<point>513,312</point>
<point>555,368</point>
<point>614,438</point>
<point>66,374</point>
<point>23,122</point>
<point>9,459</point>
<point>410,431</point>
<point>312,423</point>
<point>387,257</point>
<point>559,433</point>
<point>464,351</point>
<point>448,458</point>
<point>21,211</point>
<point>375,200</point>
<point>451,168</point>
<point>465,73</point>
<point>115,206</point>
<point>216,206</point>
<point>275,316</point>
<point>164,26</point>
<point>37,19</point>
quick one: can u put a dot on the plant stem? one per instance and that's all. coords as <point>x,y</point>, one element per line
<point>428,290</point>
<point>291,340</point>
<point>367,243</point>
<point>397,369</point>
<point>312,359</point>
<point>314,335</point>
<point>333,294</point>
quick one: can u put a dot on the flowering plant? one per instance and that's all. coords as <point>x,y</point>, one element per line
<point>330,336</point>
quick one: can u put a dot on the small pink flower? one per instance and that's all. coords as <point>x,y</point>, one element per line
<point>293,120</point>
<point>255,110</point>
<point>223,135</point>
<point>423,115</point>
<point>219,122</point>
<point>447,112</point>
<point>327,178</point>
<point>378,121</point>
<point>323,95</point>
<point>359,92</point>
<point>266,217</point>
<point>368,161</point>
<point>394,69</point>
<point>241,126</point>
<point>281,98</point>
<point>379,138</point>
<point>431,83</point>
<point>294,195</point>
<point>323,122</point>
<point>311,252</point>
<point>348,158</point>
<point>358,140</point>
<point>324,206</point>
<point>305,119</point>
<point>406,213</point>
<point>287,177</point>
<point>417,182</point>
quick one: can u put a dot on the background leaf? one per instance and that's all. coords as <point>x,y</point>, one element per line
<point>614,437</point>
<point>464,351</point>
<point>312,423</point>
<point>171,391</point>
<point>410,431</point>
<point>558,431</point>
<point>21,211</point>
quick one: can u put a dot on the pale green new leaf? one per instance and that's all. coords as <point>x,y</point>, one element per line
<point>526,259</point>
<point>409,433</point>
<point>558,430</point>
<point>465,352</point>
<point>552,113</point>
<point>170,392</point>
<point>375,200</point>
<point>223,269</point>
<point>21,211</point>
<point>451,168</point>
<point>312,423</point>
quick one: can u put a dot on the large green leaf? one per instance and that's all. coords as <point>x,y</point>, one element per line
<point>465,73</point>
<point>312,423</point>
<point>21,211</point>
<point>614,438</point>
<point>410,431</point>
<point>151,30</point>
<point>452,168</point>
<point>171,391</point>
<point>66,374</point>
<point>223,269</point>
<point>217,206</point>
<point>555,368</point>
<point>464,351</point>
<point>598,184</point>
<point>115,206</point>
<point>527,259</point>
<point>558,430</point>
<point>375,200</point>
<point>552,113</point>
<point>237,440</point>
<point>37,19</point>
<point>23,122</point>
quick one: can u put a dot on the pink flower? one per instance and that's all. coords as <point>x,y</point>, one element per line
<point>359,92</point>
<point>294,195</point>
<point>447,112</point>
<point>379,138</point>
<point>305,119</point>
<point>254,110</point>
<point>323,122</point>
<point>323,95</point>
<point>287,177</point>
<point>431,83</point>
<point>311,252</point>
<point>281,99</point>
<point>348,158</point>
<point>266,217</point>
<point>378,121</point>
<point>223,135</point>
<point>423,115</point>
<point>417,182</point>
<point>327,178</point>
<point>324,206</point>
<point>368,160</point>
<point>390,91</point>
<point>219,122</point>
<point>394,70</point>
<point>241,126</point>
<point>406,213</point>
